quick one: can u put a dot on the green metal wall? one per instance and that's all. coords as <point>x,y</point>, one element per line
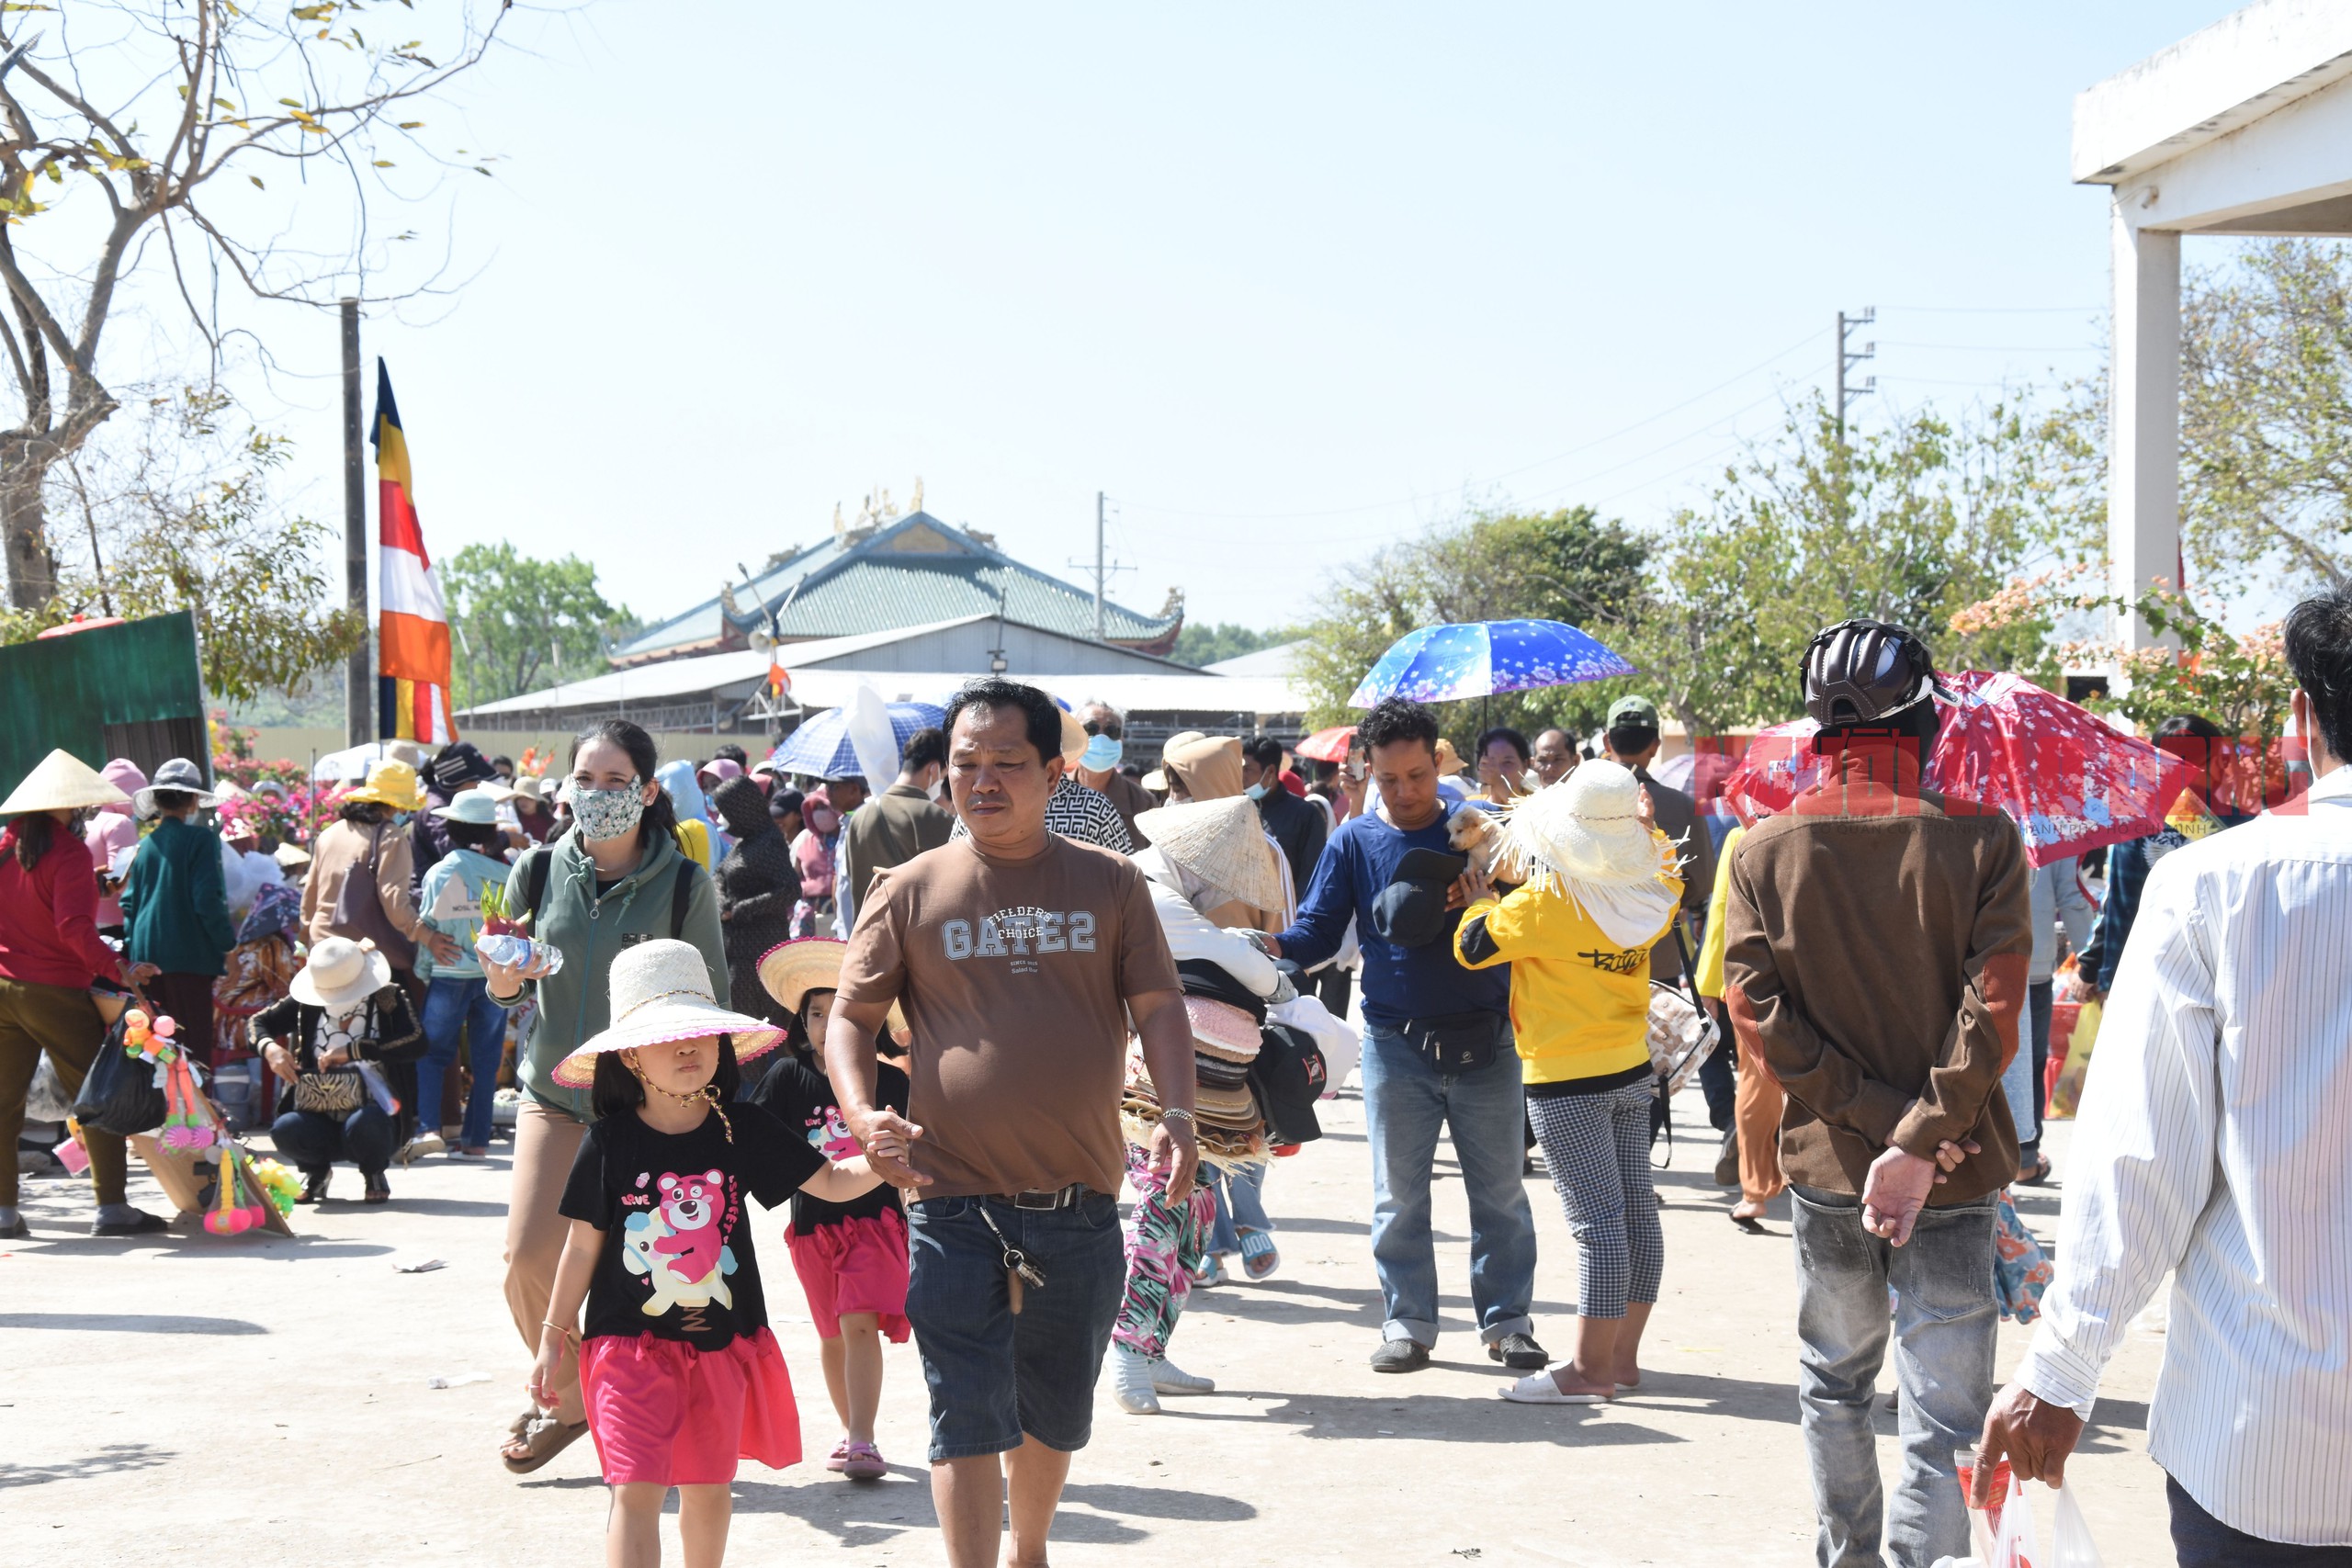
<point>112,690</point>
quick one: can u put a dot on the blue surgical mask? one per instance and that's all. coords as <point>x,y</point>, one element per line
<point>1256,792</point>
<point>1103,754</point>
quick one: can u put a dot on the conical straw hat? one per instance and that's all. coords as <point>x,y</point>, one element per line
<point>62,783</point>
<point>1220,841</point>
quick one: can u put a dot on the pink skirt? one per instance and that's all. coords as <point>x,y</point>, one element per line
<point>663,1412</point>
<point>856,1265</point>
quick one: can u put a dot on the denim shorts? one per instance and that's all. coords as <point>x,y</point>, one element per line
<point>996,1376</point>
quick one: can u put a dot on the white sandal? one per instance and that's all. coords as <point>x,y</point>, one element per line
<point>1537,1388</point>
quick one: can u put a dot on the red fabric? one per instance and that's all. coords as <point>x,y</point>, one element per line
<point>49,927</point>
<point>662,1411</point>
<point>854,1265</point>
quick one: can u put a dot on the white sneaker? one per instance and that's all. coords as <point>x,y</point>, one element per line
<point>1131,1381</point>
<point>1167,1377</point>
<point>416,1149</point>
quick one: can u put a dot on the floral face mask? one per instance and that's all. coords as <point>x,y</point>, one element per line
<point>607,813</point>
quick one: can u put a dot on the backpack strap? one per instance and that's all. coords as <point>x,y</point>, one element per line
<point>681,895</point>
<point>535,885</point>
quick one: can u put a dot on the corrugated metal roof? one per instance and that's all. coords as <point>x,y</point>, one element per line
<point>848,589</point>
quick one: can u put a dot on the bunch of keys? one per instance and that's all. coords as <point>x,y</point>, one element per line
<point>1019,1273</point>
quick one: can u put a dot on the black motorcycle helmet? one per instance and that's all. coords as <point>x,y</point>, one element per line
<point>1862,673</point>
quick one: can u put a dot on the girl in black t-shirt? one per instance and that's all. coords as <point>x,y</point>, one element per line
<point>678,1371</point>
<point>852,1258</point>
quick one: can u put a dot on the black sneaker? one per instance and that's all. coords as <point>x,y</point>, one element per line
<point>1520,1353</point>
<point>314,1186</point>
<point>1727,1161</point>
<point>144,1224</point>
<point>1400,1356</point>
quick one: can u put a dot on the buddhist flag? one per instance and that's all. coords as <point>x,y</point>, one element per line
<point>411,627</point>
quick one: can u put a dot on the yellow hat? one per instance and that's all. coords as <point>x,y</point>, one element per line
<point>392,785</point>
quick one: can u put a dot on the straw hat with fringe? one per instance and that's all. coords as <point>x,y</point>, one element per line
<point>790,970</point>
<point>1586,829</point>
<point>1220,841</point>
<point>661,994</point>
<point>63,782</point>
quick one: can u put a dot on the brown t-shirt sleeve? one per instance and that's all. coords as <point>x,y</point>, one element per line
<point>1145,962</point>
<point>875,967</point>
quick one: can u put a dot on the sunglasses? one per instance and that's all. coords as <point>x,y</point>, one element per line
<point>1111,728</point>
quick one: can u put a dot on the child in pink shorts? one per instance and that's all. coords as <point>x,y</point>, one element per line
<point>852,1258</point>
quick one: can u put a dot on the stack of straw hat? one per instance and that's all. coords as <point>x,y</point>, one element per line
<point>1231,1130</point>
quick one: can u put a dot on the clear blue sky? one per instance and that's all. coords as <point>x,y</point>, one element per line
<point>1287,281</point>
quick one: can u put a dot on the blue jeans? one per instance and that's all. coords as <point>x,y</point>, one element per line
<point>1240,1201</point>
<point>2200,1540</point>
<point>314,1141</point>
<point>1405,1102</point>
<point>2021,1080</point>
<point>1943,1322</point>
<point>994,1374</point>
<point>454,1007</point>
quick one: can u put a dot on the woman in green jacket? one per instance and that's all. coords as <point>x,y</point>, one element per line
<point>176,903</point>
<point>616,879</point>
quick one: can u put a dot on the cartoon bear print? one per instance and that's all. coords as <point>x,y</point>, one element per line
<point>639,1235</point>
<point>692,1207</point>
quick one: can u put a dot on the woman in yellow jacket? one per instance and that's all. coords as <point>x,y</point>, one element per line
<point>1601,888</point>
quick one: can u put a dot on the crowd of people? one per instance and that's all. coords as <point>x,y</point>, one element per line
<point>952,1017</point>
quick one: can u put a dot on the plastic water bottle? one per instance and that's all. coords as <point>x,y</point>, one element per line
<point>518,952</point>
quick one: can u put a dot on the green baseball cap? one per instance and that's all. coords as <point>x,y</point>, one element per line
<point>1632,713</point>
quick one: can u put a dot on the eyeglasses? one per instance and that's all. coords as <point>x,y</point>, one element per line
<point>1110,727</point>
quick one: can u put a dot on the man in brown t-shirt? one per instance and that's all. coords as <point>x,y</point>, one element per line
<point>1019,957</point>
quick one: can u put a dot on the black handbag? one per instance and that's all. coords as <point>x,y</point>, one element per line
<point>120,1095</point>
<point>1457,1042</point>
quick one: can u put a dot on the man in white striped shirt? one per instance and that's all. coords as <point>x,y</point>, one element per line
<point>2215,1141</point>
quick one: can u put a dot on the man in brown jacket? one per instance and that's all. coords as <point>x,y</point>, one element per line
<point>895,826</point>
<point>1878,938</point>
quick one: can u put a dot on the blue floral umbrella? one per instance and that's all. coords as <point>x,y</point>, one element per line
<point>1485,659</point>
<point>821,748</point>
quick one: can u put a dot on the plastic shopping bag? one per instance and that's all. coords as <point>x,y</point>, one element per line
<point>2072,1547</point>
<point>2066,1093</point>
<point>2000,1535</point>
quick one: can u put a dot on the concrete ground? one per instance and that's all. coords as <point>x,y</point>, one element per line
<point>176,1399</point>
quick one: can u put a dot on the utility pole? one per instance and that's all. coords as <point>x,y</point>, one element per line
<point>1103,568</point>
<point>1850,357</point>
<point>359,675</point>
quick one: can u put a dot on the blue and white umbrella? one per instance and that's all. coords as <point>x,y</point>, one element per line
<point>1485,659</point>
<point>823,747</point>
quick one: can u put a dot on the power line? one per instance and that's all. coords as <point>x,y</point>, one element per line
<point>1850,357</point>
<point>2001,309</point>
<point>2003,347</point>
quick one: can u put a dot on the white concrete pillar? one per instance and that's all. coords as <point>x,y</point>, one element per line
<point>2144,441</point>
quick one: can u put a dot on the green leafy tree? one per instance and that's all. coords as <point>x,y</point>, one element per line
<point>1200,644</point>
<point>2267,414</point>
<point>180,517</point>
<point>522,624</point>
<point>133,140</point>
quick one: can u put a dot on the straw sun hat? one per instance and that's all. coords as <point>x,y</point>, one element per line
<point>341,974</point>
<point>661,993</point>
<point>790,970</point>
<point>1586,829</point>
<point>1221,1029</point>
<point>1221,842</point>
<point>61,783</point>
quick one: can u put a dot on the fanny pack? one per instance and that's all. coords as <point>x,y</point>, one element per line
<point>1456,1042</point>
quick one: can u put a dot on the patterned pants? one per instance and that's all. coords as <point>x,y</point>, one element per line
<point>1165,1243</point>
<point>1597,1147</point>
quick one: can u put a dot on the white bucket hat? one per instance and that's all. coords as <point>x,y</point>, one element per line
<point>181,774</point>
<point>1586,830</point>
<point>61,783</point>
<point>661,993</point>
<point>475,808</point>
<point>341,974</point>
<point>1219,842</point>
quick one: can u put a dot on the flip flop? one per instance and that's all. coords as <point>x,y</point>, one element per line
<point>2040,1175</point>
<point>545,1437</point>
<point>1537,1388</point>
<point>1749,1223</point>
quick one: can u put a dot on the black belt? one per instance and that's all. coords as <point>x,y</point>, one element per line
<point>1061,1197</point>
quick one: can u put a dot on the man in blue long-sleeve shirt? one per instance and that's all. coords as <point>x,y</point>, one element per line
<point>1437,1052</point>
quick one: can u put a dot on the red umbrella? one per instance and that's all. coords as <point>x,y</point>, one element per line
<point>2071,781</point>
<point>1327,745</point>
